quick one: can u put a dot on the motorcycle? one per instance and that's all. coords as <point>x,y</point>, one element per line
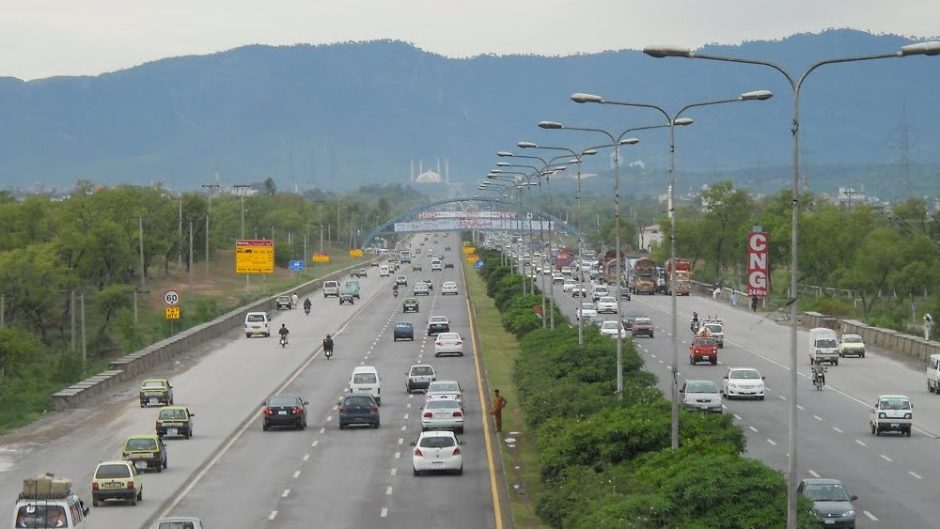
<point>307,311</point>
<point>283,340</point>
<point>695,326</point>
<point>327,350</point>
<point>819,379</point>
<point>395,293</point>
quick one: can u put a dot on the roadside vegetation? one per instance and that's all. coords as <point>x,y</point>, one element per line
<point>87,248</point>
<point>606,463</point>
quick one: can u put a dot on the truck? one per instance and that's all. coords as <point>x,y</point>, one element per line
<point>48,501</point>
<point>645,271</point>
<point>680,271</point>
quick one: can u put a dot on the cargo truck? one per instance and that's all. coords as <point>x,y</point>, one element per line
<point>645,282</point>
<point>679,270</point>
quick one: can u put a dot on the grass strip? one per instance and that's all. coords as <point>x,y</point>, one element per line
<point>500,349</point>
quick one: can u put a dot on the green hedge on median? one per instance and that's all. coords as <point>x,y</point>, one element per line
<point>607,462</point>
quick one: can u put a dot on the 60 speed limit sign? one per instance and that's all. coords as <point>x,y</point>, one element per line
<point>171,297</point>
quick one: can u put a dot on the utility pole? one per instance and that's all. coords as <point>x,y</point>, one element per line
<point>190,254</point>
<point>140,228</point>
<point>179,235</point>
<point>208,188</point>
<point>84,341</point>
<point>72,318</point>
<point>242,190</point>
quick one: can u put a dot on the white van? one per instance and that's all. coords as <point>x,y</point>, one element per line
<point>436,265</point>
<point>331,288</point>
<point>933,373</point>
<point>366,379</point>
<point>257,323</point>
<point>383,270</point>
<point>823,346</point>
<point>892,413</point>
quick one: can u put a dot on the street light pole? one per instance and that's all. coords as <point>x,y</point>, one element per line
<point>242,190</point>
<point>796,83</point>
<point>208,188</point>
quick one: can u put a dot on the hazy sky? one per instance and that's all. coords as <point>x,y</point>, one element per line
<point>42,38</point>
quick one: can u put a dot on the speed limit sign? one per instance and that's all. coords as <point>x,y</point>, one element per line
<point>171,297</point>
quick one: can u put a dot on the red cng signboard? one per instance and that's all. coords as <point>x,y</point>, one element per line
<point>758,264</point>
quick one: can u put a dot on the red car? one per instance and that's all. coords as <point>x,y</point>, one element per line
<point>703,350</point>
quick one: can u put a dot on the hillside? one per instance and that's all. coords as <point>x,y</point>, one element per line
<point>343,115</point>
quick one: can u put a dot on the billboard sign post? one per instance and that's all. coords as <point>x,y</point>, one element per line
<point>758,266</point>
<point>254,256</point>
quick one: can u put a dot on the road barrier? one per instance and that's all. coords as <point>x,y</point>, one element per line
<point>134,364</point>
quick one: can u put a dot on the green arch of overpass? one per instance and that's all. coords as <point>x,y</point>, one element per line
<point>388,227</point>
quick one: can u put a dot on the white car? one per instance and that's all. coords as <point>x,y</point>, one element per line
<point>611,328</point>
<point>420,289</point>
<point>442,414</point>
<point>449,287</point>
<point>448,343</point>
<point>568,285</point>
<point>607,305</point>
<point>743,382</point>
<point>599,292</point>
<point>892,413</point>
<point>444,389</point>
<point>578,292</point>
<point>436,264</point>
<point>437,451</point>
<point>701,395</point>
<point>586,310</point>
<point>558,277</point>
<point>401,280</point>
<point>566,270</point>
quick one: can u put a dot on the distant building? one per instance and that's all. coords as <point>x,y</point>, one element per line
<point>651,237</point>
<point>848,196</point>
<point>428,176</point>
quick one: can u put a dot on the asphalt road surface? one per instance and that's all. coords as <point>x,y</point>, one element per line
<point>895,477</point>
<point>232,474</point>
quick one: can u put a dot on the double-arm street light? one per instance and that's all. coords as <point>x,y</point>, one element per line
<point>671,122</point>
<point>796,83</point>
<point>524,180</point>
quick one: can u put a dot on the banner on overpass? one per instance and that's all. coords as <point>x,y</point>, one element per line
<point>467,215</point>
<point>474,224</point>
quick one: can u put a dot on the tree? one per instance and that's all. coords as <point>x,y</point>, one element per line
<point>728,216</point>
<point>270,188</point>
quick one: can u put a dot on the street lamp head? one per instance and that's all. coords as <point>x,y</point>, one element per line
<point>550,125</point>
<point>589,152</point>
<point>586,98</point>
<point>921,48</point>
<point>629,141</point>
<point>683,122</point>
<point>526,145</point>
<point>757,95</point>
<point>667,51</point>
<point>504,154</point>
<point>496,171</point>
<point>503,164</point>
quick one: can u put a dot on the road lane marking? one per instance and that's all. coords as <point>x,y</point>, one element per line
<point>394,471</point>
<point>315,443</point>
<point>782,397</point>
<point>886,458</point>
<point>813,473</point>
<point>772,442</point>
<point>817,417</point>
<point>306,457</point>
<point>401,440</point>
<point>296,474</point>
<point>384,512</point>
<point>404,427</point>
<point>388,491</point>
<point>329,418</point>
<point>914,474</point>
<point>860,443</point>
<point>397,455</point>
<point>406,416</point>
<point>738,417</point>
<point>836,428</point>
<point>800,407</point>
<point>273,515</point>
<point>286,493</point>
<point>753,429</point>
<point>870,516</point>
<point>323,430</point>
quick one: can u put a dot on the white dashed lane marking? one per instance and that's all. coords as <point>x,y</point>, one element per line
<point>772,442</point>
<point>836,428</point>
<point>273,515</point>
<point>870,516</point>
<point>886,458</point>
<point>384,512</point>
<point>285,493</point>
<point>753,429</point>
<point>860,443</point>
<point>915,474</point>
<point>813,473</point>
<point>296,474</point>
<point>306,457</point>
<point>817,417</point>
<point>388,491</point>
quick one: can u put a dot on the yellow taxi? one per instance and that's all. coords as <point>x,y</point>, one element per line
<point>175,421</point>
<point>155,391</point>
<point>145,451</point>
<point>116,480</point>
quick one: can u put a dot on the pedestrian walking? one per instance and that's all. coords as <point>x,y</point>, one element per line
<point>497,409</point>
<point>754,300</point>
<point>928,323</point>
<point>733,297</point>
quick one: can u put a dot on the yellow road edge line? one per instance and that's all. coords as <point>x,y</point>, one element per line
<point>487,435</point>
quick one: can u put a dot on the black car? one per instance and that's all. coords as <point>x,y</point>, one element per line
<point>404,331</point>
<point>285,410</point>
<point>629,316</point>
<point>438,324</point>
<point>448,265</point>
<point>358,408</point>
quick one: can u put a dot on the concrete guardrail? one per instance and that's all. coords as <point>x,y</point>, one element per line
<point>134,364</point>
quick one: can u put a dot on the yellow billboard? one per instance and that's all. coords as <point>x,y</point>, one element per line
<point>320,258</point>
<point>469,250</point>
<point>172,313</point>
<point>254,257</point>
<point>473,258</point>
<point>355,252</point>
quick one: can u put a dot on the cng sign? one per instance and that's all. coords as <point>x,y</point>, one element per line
<point>758,269</point>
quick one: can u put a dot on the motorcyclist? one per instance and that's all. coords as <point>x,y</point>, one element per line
<point>307,304</point>
<point>696,324</point>
<point>395,290</point>
<point>283,332</point>
<point>819,374</point>
<point>328,344</point>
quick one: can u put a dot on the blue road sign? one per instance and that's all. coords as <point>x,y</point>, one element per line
<point>478,264</point>
<point>296,266</point>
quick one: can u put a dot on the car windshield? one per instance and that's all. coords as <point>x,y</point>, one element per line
<point>826,342</point>
<point>442,405</point>
<point>714,328</point>
<point>437,441</point>
<point>176,524</point>
<point>283,299</point>
<point>448,336</point>
<point>255,317</point>
<point>852,338</point>
<point>608,299</point>
<point>40,515</point>
<point>402,325</point>
<point>895,404</point>
<point>421,286</point>
<point>173,415</point>
<point>152,384</point>
<point>747,374</point>
<point>438,319</point>
<point>641,321</point>
<point>421,371</point>
<point>826,492</point>
<point>440,387</point>
<point>587,306</point>
<point>283,401</point>
<point>358,401</point>
<point>112,471</point>
<point>364,378</point>
<point>704,341</point>
<point>141,444</point>
<point>610,325</point>
<point>701,386</point>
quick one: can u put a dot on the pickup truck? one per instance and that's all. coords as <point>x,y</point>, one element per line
<point>348,295</point>
<point>352,287</point>
<point>703,349</point>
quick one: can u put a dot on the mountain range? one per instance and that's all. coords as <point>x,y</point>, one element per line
<point>343,115</point>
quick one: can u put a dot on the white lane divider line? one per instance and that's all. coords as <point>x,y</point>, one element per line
<point>306,457</point>
<point>384,512</point>
<point>335,407</point>
<point>397,455</point>
<point>836,428</point>
<point>915,474</point>
<point>860,443</point>
<point>315,443</point>
<point>286,493</point>
<point>408,405</point>
<point>329,418</point>
<point>406,416</point>
<point>296,474</point>
<point>870,516</point>
<point>753,429</point>
<point>652,356</point>
<point>404,427</point>
<point>886,458</point>
<point>323,430</point>
<point>782,397</point>
<point>772,442</point>
<point>817,417</point>
<point>738,417</point>
<point>401,440</point>
<point>388,491</point>
<point>813,473</point>
<point>394,471</point>
<point>800,407</point>
<point>273,515</point>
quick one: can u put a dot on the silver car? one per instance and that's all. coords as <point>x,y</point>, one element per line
<point>442,414</point>
<point>701,395</point>
<point>444,389</point>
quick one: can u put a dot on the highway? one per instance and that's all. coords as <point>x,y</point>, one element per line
<point>232,474</point>
<point>895,477</point>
